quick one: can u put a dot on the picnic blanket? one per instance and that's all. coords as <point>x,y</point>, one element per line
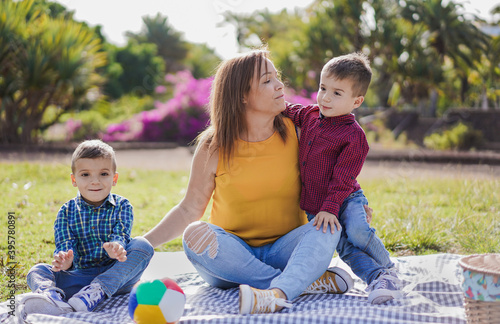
<point>432,288</point>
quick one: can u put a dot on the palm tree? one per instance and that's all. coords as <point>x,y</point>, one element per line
<point>45,63</point>
<point>450,34</point>
<point>168,41</point>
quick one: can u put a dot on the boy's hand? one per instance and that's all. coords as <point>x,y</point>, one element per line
<point>115,251</point>
<point>369,213</point>
<point>62,261</point>
<point>324,218</point>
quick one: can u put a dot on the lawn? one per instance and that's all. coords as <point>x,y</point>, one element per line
<point>412,216</point>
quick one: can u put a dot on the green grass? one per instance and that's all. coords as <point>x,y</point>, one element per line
<point>411,216</point>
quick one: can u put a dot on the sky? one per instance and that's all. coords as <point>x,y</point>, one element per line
<point>197,20</point>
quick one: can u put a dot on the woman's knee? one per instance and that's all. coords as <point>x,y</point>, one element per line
<point>200,237</point>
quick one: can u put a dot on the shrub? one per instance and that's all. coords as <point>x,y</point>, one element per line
<point>460,137</point>
<point>179,119</point>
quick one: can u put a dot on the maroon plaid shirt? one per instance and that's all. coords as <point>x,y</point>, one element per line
<point>332,151</point>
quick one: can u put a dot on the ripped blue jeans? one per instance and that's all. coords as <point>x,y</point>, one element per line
<point>359,247</point>
<point>291,263</point>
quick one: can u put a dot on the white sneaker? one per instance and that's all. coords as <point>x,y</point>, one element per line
<point>48,302</point>
<point>87,299</point>
<point>256,301</point>
<point>385,288</point>
<point>334,281</point>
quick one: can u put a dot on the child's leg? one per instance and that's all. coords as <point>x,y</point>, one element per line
<point>67,283</point>
<point>41,278</point>
<point>358,231</point>
<point>46,298</point>
<point>362,264</point>
<point>383,284</point>
<point>122,276</point>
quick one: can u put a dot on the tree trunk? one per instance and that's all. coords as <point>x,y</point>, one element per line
<point>433,103</point>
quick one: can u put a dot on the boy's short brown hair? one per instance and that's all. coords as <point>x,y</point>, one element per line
<point>93,149</point>
<point>355,67</point>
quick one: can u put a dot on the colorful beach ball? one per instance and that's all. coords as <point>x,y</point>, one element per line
<point>158,301</point>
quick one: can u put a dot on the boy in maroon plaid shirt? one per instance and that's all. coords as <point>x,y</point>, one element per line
<point>332,150</point>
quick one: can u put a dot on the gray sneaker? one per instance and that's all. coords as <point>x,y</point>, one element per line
<point>87,299</point>
<point>48,302</point>
<point>385,288</point>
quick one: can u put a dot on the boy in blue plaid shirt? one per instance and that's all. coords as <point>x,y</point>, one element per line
<point>95,257</point>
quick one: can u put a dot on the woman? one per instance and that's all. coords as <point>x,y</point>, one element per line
<point>257,237</point>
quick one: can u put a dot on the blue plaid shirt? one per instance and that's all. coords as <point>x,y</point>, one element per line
<point>84,228</point>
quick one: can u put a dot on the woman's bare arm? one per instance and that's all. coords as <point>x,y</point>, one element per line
<point>192,206</point>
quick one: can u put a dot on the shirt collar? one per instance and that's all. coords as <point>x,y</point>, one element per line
<point>344,119</point>
<point>110,199</point>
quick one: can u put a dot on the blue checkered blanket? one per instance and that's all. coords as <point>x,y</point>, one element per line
<point>432,288</point>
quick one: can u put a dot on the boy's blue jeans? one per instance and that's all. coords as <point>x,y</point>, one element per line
<point>359,232</point>
<point>115,279</point>
<point>359,246</point>
<point>291,263</point>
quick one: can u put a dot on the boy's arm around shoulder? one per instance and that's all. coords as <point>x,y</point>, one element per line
<point>192,207</point>
<point>296,112</point>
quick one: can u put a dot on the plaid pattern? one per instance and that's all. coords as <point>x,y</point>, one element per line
<point>331,154</point>
<point>85,228</point>
<point>432,287</point>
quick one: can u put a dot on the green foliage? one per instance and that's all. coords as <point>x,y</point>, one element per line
<point>44,62</point>
<point>419,49</point>
<point>143,70</point>
<point>86,124</point>
<point>201,61</point>
<point>171,48</point>
<point>460,137</point>
<point>378,133</point>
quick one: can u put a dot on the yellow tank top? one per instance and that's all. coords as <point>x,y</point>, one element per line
<point>257,198</point>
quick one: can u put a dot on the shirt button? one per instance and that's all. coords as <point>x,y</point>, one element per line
<point>304,163</point>
<point>93,227</point>
<point>310,142</point>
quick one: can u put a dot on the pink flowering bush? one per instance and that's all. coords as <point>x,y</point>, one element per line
<point>179,119</point>
<point>292,97</point>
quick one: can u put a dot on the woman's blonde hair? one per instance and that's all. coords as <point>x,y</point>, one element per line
<point>227,111</point>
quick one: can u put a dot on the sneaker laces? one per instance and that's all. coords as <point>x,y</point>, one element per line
<point>266,301</point>
<point>382,281</point>
<point>91,294</point>
<point>322,285</point>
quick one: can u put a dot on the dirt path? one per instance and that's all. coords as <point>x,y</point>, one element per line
<point>179,158</point>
